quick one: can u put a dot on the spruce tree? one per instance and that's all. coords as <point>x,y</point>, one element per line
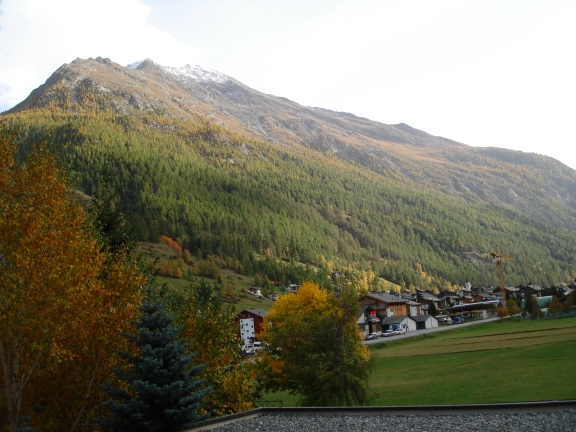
<point>163,392</point>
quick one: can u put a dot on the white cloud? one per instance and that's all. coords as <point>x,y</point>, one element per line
<point>38,36</point>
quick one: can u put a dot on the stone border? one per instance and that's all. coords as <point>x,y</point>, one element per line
<point>497,408</point>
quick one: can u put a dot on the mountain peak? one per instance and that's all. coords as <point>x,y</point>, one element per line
<point>138,63</point>
<point>195,72</point>
<point>198,73</point>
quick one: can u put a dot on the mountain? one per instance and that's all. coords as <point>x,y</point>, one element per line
<point>198,155</point>
<point>536,185</point>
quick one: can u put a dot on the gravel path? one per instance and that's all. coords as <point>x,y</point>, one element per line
<point>564,421</point>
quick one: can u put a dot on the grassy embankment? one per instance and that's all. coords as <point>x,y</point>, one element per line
<point>492,362</point>
<point>160,252</point>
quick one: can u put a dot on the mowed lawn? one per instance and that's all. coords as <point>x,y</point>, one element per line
<point>492,362</point>
<point>483,363</point>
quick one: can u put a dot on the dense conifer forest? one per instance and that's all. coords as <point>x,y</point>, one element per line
<point>224,194</point>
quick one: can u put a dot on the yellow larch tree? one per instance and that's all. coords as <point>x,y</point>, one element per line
<point>313,348</point>
<point>63,301</point>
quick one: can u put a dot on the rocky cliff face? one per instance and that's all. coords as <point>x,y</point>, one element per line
<point>539,186</point>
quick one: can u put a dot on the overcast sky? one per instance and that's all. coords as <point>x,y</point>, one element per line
<point>485,73</point>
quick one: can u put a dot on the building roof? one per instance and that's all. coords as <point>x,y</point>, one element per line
<point>430,297</point>
<point>259,312</point>
<point>394,320</point>
<point>513,289</point>
<point>387,298</point>
<point>421,318</point>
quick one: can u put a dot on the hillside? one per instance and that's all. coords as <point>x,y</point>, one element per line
<point>538,186</point>
<point>184,167</point>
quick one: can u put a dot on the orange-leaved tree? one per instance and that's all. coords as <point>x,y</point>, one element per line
<point>313,348</point>
<point>171,243</point>
<point>513,309</point>
<point>501,312</point>
<point>62,300</point>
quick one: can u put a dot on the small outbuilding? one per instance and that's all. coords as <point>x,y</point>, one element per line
<point>293,288</point>
<point>274,296</point>
<point>398,322</point>
<point>424,322</point>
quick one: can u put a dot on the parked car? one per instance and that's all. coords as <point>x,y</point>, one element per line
<point>371,336</point>
<point>387,333</point>
<point>252,348</point>
<point>402,331</point>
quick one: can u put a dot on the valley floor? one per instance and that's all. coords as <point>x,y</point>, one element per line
<point>487,363</point>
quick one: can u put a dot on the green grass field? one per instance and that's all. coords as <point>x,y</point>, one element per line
<point>492,362</point>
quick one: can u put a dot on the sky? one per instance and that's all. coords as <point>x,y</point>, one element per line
<point>490,73</point>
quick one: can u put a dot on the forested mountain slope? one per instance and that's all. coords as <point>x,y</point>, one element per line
<point>538,186</point>
<point>224,190</point>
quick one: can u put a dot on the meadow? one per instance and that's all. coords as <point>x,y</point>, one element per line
<point>492,362</point>
<point>158,253</point>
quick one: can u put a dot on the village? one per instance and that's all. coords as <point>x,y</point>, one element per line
<point>392,313</point>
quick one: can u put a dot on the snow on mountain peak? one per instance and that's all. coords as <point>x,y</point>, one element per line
<point>197,73</point>
<point>136,64</point>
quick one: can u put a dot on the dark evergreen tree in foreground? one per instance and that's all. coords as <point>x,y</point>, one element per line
<point>164,392</point>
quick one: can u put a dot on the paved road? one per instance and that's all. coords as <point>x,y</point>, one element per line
<point>432,330</point>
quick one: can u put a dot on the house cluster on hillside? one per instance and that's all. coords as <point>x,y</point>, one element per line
<point>470,295</point>
<point>409,310</point>
<point>257,291</point>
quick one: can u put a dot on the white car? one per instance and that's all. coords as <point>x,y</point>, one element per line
<point>402,331</point>
<point>387,333</point>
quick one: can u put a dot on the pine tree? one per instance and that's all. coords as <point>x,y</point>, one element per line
<point>164,393</point>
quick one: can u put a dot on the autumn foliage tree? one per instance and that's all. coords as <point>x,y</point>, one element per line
<point>555,305</point>
<point>314,348</point>
<point>501,312</point>
<point>63,301</point>
<point>209,327</point>
<point>513,309</point>
<point>171,243</point>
